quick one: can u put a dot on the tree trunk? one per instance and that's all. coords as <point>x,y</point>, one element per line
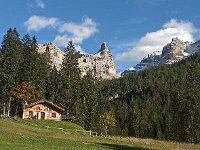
<point>16,110</point>
<point>9,107</point>
<point>4,109</point>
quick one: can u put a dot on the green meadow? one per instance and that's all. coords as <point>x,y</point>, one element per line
<point>58,135</point>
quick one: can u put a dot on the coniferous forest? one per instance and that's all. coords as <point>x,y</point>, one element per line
<point>161,103</point>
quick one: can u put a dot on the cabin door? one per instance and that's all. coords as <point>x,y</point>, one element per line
<point>42,115</point>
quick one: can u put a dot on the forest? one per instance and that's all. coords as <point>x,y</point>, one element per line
<point>160,103</point>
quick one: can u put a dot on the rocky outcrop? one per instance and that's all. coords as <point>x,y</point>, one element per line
<point>100,64</point>
<point>151,60</point>
<point>193,48</point>
<point>55,53</point>
<point>172,52</point>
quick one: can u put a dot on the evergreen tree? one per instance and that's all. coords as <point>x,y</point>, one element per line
<point>10,61</point>
<point>162,102</point>
<point>26,67</point>
<point>89,102</point>
<point>53,87</point>
<point>70,81</point>
<point>35,68</point>
<point>47,55</point>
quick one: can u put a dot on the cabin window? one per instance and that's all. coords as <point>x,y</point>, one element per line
<point>46,109</point>
<point>30,113</point>
<point>53,115</point>
<point>38,108</point>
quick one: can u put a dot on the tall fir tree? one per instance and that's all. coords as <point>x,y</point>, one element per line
<point>35,68</point>
<point>26,68</point>
<point>10,61</point>
<point>53,87</point>
<point>88,103</point>
<point>70,81</point>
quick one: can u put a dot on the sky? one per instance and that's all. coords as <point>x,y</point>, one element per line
<point>132,29</point>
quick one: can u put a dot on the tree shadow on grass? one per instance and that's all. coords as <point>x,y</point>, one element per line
<point>121,147</point>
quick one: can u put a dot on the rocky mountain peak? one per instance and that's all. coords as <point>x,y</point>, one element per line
<point>101,64</point>
<point>175,51</point>
<point>104,48</point>
<point>55,53</point>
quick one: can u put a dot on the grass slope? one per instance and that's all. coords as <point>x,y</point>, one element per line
<point>24,135</point>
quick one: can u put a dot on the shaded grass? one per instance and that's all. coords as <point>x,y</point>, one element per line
<point>156,144</point>
<point>121,147</point>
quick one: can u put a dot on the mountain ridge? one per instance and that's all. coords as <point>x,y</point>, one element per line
<point>101,64</point>
<point>173,52</point>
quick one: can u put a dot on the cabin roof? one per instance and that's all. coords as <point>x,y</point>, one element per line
<point>44,101</point>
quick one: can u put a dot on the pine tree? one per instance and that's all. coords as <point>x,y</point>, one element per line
<point>53,87</point>
<point>70,79</point>
<point>10,61</point>
<point>26,67</point>
<point>47,56</point>
<point>35,68</point>
<point>89,102</point>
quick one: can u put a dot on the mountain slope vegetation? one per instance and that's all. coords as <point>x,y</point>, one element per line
<point>162,102</point>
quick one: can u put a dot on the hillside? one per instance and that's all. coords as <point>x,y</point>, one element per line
<point>161,102</point>
<point>21,134</point>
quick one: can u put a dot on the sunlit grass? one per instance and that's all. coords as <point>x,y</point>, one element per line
<point>24,135</point>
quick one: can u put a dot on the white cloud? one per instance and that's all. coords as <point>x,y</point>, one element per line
<point>40,4</point>
<point>63,41</point>
<point>67,30</point>
<point>76,32</point>
<point>37,23</point>
<point>154,41</point>
<point>79,49</point>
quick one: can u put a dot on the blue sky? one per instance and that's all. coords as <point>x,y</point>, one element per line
<point>132,28</point>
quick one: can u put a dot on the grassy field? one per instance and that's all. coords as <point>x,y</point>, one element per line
<point>25,135</point>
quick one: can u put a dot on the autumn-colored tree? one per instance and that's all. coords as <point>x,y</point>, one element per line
<point>107,123</point>
<point>27,92</point>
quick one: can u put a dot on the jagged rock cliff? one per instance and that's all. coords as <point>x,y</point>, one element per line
<point>100,64</point>
<point>172,52</point>
<point>55,53</point>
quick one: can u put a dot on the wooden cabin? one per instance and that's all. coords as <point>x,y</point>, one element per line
<point>42,110</point>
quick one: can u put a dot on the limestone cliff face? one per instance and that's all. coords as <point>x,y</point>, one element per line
<point>56,54</point>
<point>173,51</point>
<point>100,64</point>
